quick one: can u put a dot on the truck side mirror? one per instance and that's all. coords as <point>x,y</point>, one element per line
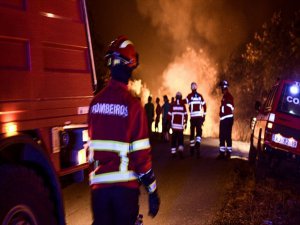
<point>257,105</point>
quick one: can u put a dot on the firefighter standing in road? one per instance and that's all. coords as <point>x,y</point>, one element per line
<point>165,125</point>
<point>197,107</point>
<point>119,148</point>
<point>158,110</point>
<point>149,107</point>
<point>226,121</point>
<point>177,116</point>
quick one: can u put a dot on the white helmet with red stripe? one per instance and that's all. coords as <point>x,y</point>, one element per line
<point>121,51</point>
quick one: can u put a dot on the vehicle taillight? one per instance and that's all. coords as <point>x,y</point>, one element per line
<point>271,120</point>
<point>271,117</point>
<point>269,125</point>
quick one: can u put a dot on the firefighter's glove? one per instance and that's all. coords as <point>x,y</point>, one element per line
<point>154,203</point>
<point>149,182</point>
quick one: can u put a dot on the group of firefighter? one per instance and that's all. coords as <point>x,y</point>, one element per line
<point>175,115</point>
<point>119,146</point>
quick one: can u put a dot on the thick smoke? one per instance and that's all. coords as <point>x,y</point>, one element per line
<point>201,34</point>
<point>216,26</point>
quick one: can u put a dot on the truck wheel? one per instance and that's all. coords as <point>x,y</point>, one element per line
<point>24,198</point>
<point>252,152</point>
<point>261,165</point>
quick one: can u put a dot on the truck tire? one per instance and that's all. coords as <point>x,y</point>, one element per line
<point>261,166</point>
<point>252,152</point>
<point>24,198</point>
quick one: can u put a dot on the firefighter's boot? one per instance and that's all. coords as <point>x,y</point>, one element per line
<point>228,152</point>
<point>221,155</point>
<point>180,151</point>
<point>173,152</point>
<point>192,150</point>
<point>228,155</point>
<point>197,147</point>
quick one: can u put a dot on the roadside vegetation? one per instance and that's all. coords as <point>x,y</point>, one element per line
<point>255,200</point>
<point>272,53</point>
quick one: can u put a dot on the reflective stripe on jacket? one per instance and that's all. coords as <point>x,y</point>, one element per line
<point>227,106</point>
<point>119,147</point>
<point>197,104</point>
<point>177,115</point>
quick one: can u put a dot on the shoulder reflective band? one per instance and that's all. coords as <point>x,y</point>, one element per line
<point>230,106</point>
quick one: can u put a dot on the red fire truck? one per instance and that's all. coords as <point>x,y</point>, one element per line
<point>46,85</point>
<point>276,128</point>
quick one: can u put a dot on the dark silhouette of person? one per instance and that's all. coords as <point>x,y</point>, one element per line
<point>149,107</point>
<point>158,111</point>
<point>165,125</point>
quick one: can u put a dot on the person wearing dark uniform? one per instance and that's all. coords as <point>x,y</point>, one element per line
<point>226,121</point>
<point>165,125</point>
<point>197,108</point>
<point>177,117</point>
<point>149,107</point>
<point>119,148</point>
<point>158,110</point>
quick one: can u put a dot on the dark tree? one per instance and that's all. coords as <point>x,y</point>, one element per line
<point>273,53</point>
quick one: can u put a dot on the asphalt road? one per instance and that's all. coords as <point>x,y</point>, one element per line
<point>191,189</point>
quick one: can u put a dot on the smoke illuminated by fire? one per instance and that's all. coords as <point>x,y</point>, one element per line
<point>191,66</point>
<point>199,33</point>
<point>194,66</point>
<point>139,89</point>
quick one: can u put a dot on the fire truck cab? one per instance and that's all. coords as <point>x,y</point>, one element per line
<point>46,84</point>
<point>276,128</point>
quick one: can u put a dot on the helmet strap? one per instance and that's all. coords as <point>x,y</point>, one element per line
<point>121,73</point>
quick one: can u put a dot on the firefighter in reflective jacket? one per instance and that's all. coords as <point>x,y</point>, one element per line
<point>177,116</point>
<point>119,148</point>
<point>226,121</point>
<point>197,107</point>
